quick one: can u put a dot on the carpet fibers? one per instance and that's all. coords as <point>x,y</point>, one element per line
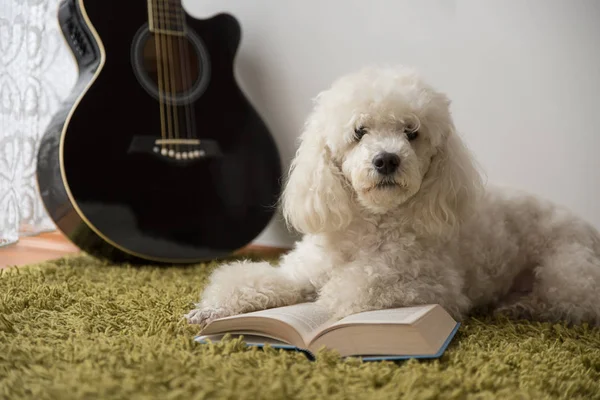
<point>78,328</point>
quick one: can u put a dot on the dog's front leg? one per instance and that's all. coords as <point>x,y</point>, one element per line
<point>361,287</point>
<point>245,286</point>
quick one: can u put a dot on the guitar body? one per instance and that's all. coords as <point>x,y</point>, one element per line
<point>105,179</point>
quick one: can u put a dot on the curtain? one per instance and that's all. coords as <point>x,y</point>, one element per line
<point>36,74</point>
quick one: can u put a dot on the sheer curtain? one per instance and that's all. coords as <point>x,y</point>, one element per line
<point>36,74</point>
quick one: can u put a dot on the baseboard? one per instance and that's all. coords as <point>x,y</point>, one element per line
<point>263,250</point>
<point>52,245</point>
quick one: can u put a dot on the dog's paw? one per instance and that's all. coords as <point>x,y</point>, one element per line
<point>204,316</point>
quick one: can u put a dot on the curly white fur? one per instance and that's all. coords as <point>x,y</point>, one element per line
<point>431,232</point>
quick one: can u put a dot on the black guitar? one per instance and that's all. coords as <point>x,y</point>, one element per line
<point>157,155</point>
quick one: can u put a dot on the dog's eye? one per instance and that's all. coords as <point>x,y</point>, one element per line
<point>411,133</point>
<point>359,132</point>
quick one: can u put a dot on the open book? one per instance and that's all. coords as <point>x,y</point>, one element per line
<point>390,334</point>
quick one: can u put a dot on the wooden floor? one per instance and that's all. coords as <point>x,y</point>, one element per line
<point>33,249</point>
<point>49,246</point>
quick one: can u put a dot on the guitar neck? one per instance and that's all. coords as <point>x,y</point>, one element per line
<point>166,17</point>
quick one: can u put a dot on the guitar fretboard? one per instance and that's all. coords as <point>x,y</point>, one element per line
<point>166,17</point>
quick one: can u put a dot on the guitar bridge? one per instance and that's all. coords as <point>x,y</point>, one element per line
<point>180,150</point>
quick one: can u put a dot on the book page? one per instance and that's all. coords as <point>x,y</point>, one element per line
<point>403,315</point>
<point>306,318</point>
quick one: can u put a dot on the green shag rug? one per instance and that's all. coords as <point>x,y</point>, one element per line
<point>78,328</point>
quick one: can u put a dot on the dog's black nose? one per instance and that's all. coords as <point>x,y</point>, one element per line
<point>386,163</point>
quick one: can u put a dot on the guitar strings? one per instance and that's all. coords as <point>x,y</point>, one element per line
<point>179,23</point>
<point>164,50</point>
<point>185,73</point>
<point>163,36</point>
<point>172,73</point>
<point>167,75</point>
<point>159,76</point>
<point>192,116</point>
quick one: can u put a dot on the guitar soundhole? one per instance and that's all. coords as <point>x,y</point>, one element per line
<point>171,68</point>
<point>171,63</point>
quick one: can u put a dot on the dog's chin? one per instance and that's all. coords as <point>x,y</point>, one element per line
<point>384,195</point>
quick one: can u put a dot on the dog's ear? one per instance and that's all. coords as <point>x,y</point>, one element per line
<point>315,198</point>
<point>451,187</point>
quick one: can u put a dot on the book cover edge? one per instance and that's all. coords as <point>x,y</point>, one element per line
<point>307,352</point>
<point>312,357</point>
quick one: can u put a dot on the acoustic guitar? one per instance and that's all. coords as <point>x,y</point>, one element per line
<point>156,155</point>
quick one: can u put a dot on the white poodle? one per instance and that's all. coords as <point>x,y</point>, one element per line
<point>394,213</point>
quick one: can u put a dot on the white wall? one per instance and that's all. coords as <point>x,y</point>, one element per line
<point>524,77</point>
